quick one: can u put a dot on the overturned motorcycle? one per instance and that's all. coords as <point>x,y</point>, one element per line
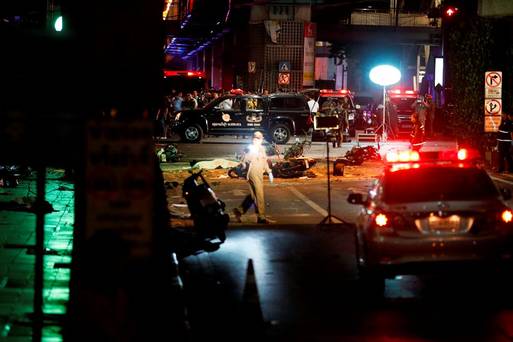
<point>354,157</point>
<point>207,211</point>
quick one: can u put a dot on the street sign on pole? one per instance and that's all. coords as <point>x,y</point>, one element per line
<point>284,78</point>
<point>493,101</point>
<point>491,123</point>
<point>284,66</point>
<point>493,84</point>
<point>493,107</point>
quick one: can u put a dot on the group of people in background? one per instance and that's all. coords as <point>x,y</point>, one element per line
<point>176,101</point>
<point>422,119</point>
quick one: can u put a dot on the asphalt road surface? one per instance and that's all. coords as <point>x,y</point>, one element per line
<point>305,287</point>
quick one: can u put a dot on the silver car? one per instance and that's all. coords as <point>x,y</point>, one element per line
<point>431,216</point>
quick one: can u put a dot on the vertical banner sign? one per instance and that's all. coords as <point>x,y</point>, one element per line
<point>119,182</point>
<point>493,100</point>
<point>309,54</point>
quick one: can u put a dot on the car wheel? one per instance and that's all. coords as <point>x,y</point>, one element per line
<point>280,133</point>
<point>192,133</point>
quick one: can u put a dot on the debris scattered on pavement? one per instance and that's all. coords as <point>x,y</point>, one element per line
<point>171,185</point>
<point>9,176</point>
<point>357,155</point>
<point>28,204</point>
<point>169,154</point>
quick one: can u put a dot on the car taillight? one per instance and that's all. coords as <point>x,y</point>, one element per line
<point>507,216</point>
<point>382,224</point>
<point>462,154</point>
<point>381,220</point>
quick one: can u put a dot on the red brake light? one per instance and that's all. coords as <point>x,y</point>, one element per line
<point>344,91</point>
<point>409,92</point>
<point>381,220</point>
<point>396,91</point>
<point>507,216</point>
<point>414,156</point>
<point>462,154</point>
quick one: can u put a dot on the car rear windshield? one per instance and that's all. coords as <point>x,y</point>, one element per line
<point>437,183</point>
<point>404,103</point>
<point>328,104</point>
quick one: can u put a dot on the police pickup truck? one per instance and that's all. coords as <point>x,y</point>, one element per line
<point>279,116</point>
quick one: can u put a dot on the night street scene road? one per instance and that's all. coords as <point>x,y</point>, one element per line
<point>243,170</point>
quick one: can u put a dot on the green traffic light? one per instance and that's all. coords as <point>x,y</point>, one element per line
<point>58,25</point>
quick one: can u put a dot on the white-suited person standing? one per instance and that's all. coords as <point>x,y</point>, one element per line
<point>255,162</point>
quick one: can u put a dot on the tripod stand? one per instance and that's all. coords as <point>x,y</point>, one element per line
<point>385,129</point>
<point>329,218</point>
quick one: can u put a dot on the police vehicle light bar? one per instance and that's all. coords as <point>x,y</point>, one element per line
<point>188,73</point>
<point>340,91</point>
<point>402,156</point>
<point>407,156</point>
<point>399,91</point>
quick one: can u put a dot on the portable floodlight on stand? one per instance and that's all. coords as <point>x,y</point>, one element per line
<point>385,126</point>
<point>384,75</point>
<point>325,123</point>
